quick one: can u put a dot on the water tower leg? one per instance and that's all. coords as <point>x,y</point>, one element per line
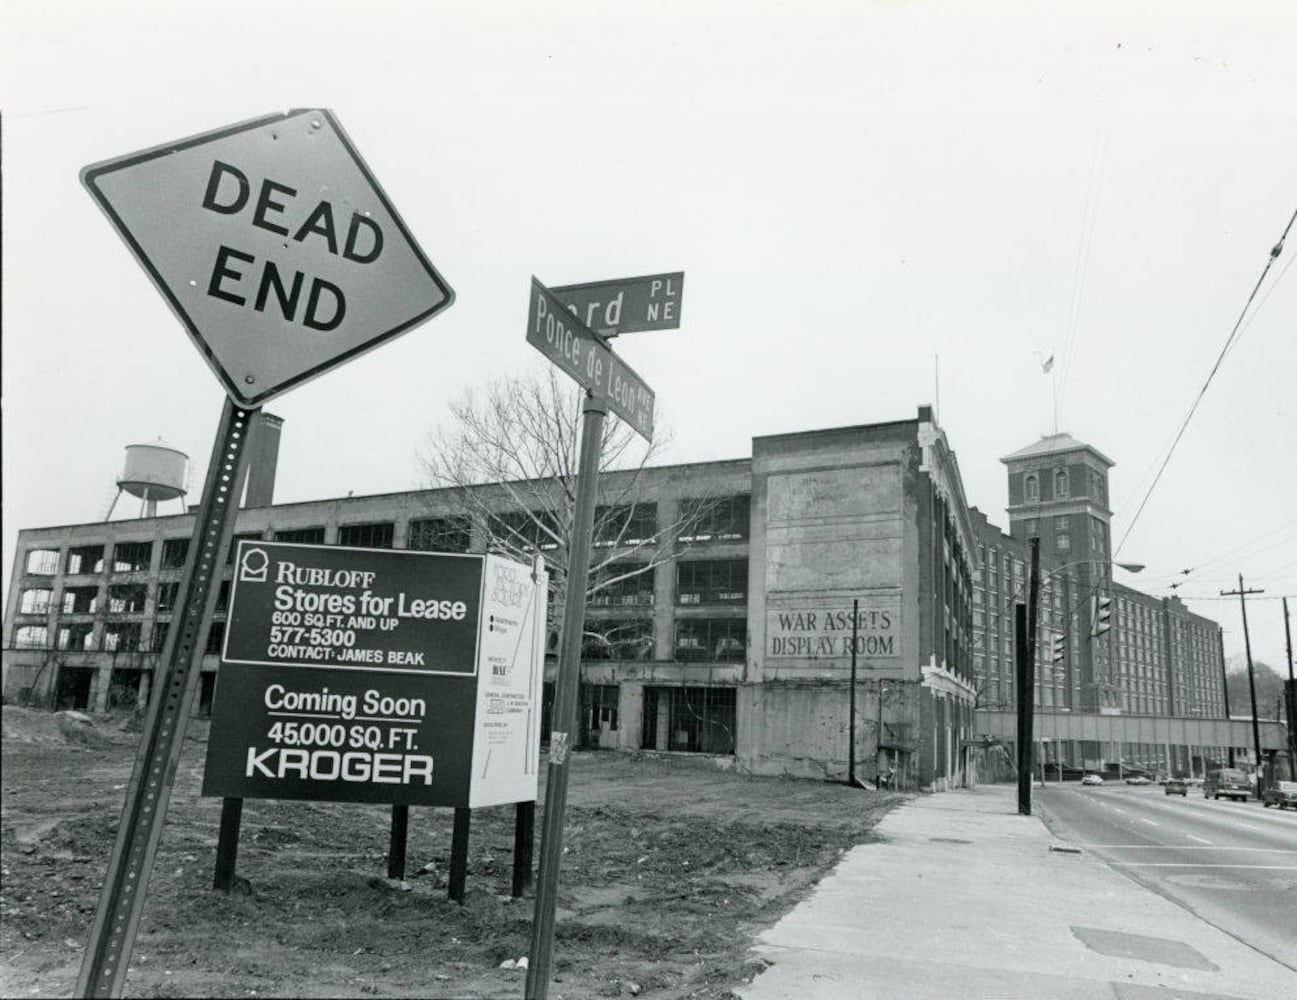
<point>117,496</point>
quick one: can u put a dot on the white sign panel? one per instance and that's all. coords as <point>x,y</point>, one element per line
<point>511,673</point>
<point>273,244</point>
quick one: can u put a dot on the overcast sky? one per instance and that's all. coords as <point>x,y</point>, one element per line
<point>876,206</point>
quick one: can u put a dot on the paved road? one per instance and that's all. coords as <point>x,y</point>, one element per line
<point>1232,863</point>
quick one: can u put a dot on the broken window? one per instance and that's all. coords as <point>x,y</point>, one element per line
<point>121,637</point>
<point>689,719</point>
<point>215,637</point>
<point>167,596</point>
<point>42,562</point>
<point>174,552</point>
<point>76,636</point>
<point>80,600</point>
<point>302,536</point>
<point>715,519</point>
<point>127,599</point>
<point>35,601</point>
<point>524,531</point>
<point>630,585</point>
<point>711,639</point>
<point>440,534</point>
<point>31,637</point>
<point>617,639</point>
<point>132,557</point>
<point>599,705</point>
<point>85,559</point>
<point>377,535</point>
<point>251,536</point>
<point>222,598</point>
<point>625,524</point>
<point>712,581</point>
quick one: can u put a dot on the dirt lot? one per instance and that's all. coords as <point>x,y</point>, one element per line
<point>672,866</point>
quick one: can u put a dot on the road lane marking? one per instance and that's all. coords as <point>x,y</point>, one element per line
<point>1174,864</point>
<point>1201,840</point>
<point>1182,847</point>
<point>1149,821</point>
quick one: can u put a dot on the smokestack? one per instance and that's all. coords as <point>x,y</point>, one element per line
<point>263,457</point>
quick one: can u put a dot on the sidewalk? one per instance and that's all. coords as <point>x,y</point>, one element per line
<point>964,900</point>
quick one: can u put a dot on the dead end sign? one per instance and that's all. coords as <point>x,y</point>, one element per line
<point>275,246</point>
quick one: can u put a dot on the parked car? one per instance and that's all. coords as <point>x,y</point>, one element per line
<point>1281,794</point>
<point>1177,786</point>
<point>1139,779</point>
<point>1092,779</point>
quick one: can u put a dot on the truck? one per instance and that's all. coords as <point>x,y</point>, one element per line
<point>1231,782</point>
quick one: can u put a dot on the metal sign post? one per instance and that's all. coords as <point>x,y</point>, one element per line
<point>610,384</point>
<point>563,735</point>
<point>112,935</point>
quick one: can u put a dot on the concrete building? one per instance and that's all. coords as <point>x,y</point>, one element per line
<point>733,630</point>
<point>729,601</point>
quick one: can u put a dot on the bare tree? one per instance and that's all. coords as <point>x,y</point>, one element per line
<point>508,458</point>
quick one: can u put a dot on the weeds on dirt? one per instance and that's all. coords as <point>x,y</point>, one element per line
<point>670,869</point>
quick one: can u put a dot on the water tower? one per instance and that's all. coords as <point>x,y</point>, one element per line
<point>153,472</point>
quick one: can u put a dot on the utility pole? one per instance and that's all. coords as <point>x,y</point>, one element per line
<point>1025,636</point>
<point>1251,678</point>
<point>851,725</point>
<point>1290,697</point>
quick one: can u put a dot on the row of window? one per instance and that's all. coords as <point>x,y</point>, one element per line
<point>719,581</point>
<point>696,640</point>
<point>1062,486</point>
<point>702,520</point>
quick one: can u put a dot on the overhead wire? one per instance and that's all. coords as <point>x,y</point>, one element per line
<point>1229,344</point>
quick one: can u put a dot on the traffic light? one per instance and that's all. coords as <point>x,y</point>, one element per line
<point>1058,647</point>
<point>1102,615</point>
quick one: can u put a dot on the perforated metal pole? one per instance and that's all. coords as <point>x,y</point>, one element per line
<point>112,935</point>
<point>563,732</point>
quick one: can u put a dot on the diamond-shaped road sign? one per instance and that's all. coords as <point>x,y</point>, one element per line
<point>274,245</point>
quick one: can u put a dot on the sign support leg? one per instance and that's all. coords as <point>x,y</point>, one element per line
<point>227,845</point>
<point>396,841</point>
<point>117,916</point>
<point>459,854</point>
<point>563,733</point>
<point>524,835</point>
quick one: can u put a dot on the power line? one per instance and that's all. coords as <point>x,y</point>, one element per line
<point>1229,343</point>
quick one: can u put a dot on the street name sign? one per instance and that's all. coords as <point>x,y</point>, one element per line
<point>626,305</point>
<point>554,331</point>
<point>273,244</point>
<point>378,675</point>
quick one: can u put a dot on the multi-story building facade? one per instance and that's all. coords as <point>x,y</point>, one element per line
<point>1157,659</point>
<point>735,602</point>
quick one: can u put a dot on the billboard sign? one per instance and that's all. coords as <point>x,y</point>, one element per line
<point>378,675</point>
<point>583,354</point>
<point>626,305</point>
<point>273,244</point>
